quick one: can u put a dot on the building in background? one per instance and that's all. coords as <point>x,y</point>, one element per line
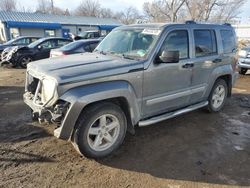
<point>242,31</point>
<point>13,24</point>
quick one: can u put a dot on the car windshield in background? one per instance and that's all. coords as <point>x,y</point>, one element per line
<point>34,44</point>
<point>71,46</point>
<point>129,43</point>
<point>10,41</point>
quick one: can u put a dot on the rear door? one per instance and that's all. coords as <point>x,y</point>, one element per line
<point>205,58</point>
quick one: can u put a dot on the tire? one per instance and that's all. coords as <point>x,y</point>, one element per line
<point>92,137</point>
<point>243,71</point>
<point>24,60</point>
<point>218,95</point>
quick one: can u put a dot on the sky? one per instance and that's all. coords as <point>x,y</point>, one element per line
<point>116,5</point>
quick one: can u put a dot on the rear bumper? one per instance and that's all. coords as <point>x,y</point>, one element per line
<point>244,63</point>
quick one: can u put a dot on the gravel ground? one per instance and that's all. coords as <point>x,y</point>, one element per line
<point>197,149</point>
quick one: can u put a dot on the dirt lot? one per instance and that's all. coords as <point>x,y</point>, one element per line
<point>194,150</point>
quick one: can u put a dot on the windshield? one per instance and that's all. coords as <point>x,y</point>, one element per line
<point>71,46</point>
<point>34,44</point>
<point>129,43</point>
<point>10,41</point>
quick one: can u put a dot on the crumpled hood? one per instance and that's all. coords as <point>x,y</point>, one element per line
<point>80,67</point>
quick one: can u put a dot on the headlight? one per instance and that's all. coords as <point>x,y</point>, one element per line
<point>49,91</point>
<point>243,53</point>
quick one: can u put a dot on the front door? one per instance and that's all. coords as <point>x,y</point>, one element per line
<point>166,86</point>
<point>44,49</point>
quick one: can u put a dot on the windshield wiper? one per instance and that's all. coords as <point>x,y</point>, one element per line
<point>128,57</point>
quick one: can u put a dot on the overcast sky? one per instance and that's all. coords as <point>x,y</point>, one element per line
<point>113,4</point>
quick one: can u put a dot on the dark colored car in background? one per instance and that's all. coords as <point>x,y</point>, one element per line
<point>40,49</point>
<point>19,41</point>
<point>86,35</point>
<point>79,46</point>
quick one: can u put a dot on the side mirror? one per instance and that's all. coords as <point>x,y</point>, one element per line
<point>39,47</point>
<point>170,56</point>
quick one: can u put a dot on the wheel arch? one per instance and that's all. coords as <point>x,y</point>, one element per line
<point>119,92</point>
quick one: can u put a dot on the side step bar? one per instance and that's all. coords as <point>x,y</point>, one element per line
<point>169,115</point>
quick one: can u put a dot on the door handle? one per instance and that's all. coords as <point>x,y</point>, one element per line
<point>217,61</point>
<point>188,65</point>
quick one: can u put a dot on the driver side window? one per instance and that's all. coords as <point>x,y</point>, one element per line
<point>49,44</point>
<point>177,41</point>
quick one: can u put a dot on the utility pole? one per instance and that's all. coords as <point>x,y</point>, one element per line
<point>52,6</point>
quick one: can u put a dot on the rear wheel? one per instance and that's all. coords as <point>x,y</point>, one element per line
<point>100,130</point>
<point>243,71</point>
<point>218,96</point>
<point>23,61</point>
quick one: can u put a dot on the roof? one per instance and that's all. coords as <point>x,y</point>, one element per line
<point>8,16</point>
<point>163,25</point>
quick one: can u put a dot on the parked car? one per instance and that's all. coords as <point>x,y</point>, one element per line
<point>86,35</point>
<point>19,41</point>
<point>75,47</point>
<point>244,60</point>
<point>40,49</point>
<point>138,75</point>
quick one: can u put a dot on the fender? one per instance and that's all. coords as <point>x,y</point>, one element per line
<point>80,97</point>
<point>220,71</point>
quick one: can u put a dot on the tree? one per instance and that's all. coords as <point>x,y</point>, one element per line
<point>128,16</point>
<point>198,10</point>
<point>47,7</point>
<point>8,5</point>
<point>163,10</point>
<point>88,8</point>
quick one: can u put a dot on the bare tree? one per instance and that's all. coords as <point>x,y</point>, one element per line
<point>88,8</point>
<point>199,10</point>
<point>47,6</point>
<point>128,16</point>
<point>8,5</point>
<point>165,10</point>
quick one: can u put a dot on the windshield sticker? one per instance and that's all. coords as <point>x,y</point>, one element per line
<point>151,31</point>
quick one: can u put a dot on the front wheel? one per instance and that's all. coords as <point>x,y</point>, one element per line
<point>218,96</point>
<point>100,130</point>
<point>24,61</point>
<point>243,71</point>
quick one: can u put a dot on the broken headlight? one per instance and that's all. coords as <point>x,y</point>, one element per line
<point>49,91</point>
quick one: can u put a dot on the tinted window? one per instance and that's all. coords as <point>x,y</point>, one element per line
<point>62,42</point>
<point>177,41</point>
<point>33,40</point>
<point>49,44</point>
<point>87,48</point>
<point>205,43</point>
<point>93,46</point>
<point>228,41</point>
<point>72,46</point>
<point>21,41</point>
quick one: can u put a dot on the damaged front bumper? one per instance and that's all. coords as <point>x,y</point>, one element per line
<point>54,114</point>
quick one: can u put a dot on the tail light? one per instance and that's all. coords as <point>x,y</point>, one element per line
<point>57,53</point>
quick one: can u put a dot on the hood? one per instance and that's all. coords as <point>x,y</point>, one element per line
<point>81,67</point>
<point>3,46</point>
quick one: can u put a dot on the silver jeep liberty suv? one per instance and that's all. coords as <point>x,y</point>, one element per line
<point>138,75</point>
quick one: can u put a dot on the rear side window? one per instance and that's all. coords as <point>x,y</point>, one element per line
<point>62,42</point>
<point>205,43</point>
<point>177,41</point>
<point>228,41</point>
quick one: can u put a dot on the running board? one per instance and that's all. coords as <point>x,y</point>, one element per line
<point>169,115</point>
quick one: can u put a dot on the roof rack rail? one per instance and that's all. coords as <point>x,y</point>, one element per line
<point>190,22</point>
<point>227,24</point>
